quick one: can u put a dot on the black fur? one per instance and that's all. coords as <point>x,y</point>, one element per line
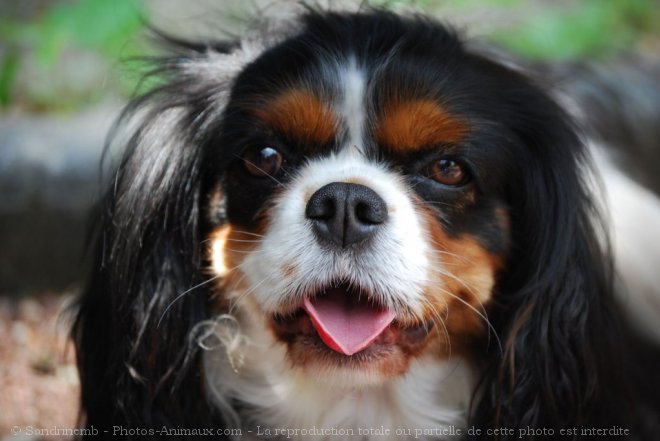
<point>561,364</point>
<point>133,358</point>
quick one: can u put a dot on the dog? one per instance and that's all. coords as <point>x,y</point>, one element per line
<point>355,225</point>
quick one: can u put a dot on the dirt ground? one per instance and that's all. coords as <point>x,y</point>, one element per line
<point>38,377</point>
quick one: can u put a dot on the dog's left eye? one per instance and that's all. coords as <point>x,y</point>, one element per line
<point>262,162</point>
<point>448,172</point>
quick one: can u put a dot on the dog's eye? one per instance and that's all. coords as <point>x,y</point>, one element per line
<point>262,162</point>
<point>448,172</point>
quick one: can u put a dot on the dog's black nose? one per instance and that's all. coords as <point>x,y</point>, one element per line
<point>345,214</point>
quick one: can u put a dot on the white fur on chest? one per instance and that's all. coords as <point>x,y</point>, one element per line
<point>433,396</point>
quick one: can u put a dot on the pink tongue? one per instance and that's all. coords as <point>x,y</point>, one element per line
<point>345,325</point>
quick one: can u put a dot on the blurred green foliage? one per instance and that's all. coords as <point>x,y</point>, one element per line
<point>592,28</point>
<point>104,31</point>
<point>39,64</point>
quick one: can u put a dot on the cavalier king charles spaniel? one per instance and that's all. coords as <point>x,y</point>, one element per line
<point>357,225</point>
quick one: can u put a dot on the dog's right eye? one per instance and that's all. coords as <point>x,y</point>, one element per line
<point>262,162</point>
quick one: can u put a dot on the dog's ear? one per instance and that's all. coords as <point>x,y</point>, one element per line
<point>553,306</point>
<point>135,317</point>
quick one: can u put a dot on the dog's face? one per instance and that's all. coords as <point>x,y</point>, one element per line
<point>363,178</point>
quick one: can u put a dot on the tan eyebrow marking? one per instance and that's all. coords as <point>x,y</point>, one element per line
<point>299,113</point>
<point>417,124</point>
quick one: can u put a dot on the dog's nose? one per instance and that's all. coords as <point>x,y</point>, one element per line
<point>345,214</point>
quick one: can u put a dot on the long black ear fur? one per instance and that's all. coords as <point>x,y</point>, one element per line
<point>561,360</point>
<point>137,366</point>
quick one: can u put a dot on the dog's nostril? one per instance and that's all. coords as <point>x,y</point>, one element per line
<point>374,213</point>
<point>362,212</point>
<point>345,214</point>
<point>321,208</point>
<point>328,209</point>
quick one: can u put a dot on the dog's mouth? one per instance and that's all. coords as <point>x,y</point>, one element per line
<point>348,321</point>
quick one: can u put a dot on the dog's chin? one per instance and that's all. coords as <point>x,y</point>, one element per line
<point>385,357</point>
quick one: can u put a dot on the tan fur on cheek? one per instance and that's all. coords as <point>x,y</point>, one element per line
<point>218,241</point>
<point>461,285</point>
<point>229,247</point>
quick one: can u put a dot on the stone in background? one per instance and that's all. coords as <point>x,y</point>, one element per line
<point>49,178</point>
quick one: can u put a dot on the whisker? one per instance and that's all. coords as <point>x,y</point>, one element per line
<point>244,295</point>
<point>248,233</point>
<point>438,270</point>
<point>425,203</point>
<point>239,251</point>
<point>466,286</point>
<point>261,170</point>
<point>445,252</point>
<point>245,240</point>
<point>482,316</point>
<point>183,294</point>
<point>437,318</point>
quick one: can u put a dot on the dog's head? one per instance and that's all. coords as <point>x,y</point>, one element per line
<point>361,192</point>
<point>361,166</point>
